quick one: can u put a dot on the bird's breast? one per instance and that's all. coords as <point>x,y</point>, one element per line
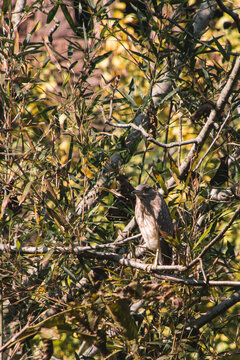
<point>148,227</point>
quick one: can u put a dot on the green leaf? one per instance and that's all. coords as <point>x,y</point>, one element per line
<point>70,51</point>
<point>173,166</point>
<point>73,65</point>
<point>100,58</point>
<point>225,55</point>
<point>66,80</point>
<point>160,180</point>
<point>52,13</point>
<point>18,244</point>
<point>145,57</point>
<point>129,99</point>
<point>25,192</point>
<point>205,234</point>
<point>68,17</point>
<point>170,94</point>
<point>5,7</point>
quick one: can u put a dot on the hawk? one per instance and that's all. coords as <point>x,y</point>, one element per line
<point>155,222</point>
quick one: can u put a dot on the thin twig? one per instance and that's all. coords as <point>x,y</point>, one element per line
<point>213,142</point>
<point>13,339</point>
<point>180,140</point>
<point>66,250</point>
<point>150,138</point>
<point>143,161</point>
<point>202,270</point>
<point>112,97</point>
<point>167,130</point>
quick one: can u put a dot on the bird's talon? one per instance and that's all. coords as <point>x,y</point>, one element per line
<point>151,267</point>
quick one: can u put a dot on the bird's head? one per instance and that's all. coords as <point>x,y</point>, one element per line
<point>144,191</point>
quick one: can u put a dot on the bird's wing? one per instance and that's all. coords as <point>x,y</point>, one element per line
<point>162,216</point>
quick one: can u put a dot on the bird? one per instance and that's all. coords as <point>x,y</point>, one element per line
<point>221,175</point>
<point>155,223</point>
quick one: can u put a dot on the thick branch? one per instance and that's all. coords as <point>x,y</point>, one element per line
<point>158,271</point>
<point>214,312</point>
<point>203,135</point>
<point>229,12</point>
<point>16,16</point>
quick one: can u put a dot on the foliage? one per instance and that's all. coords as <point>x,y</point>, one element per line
<point>71,153</point>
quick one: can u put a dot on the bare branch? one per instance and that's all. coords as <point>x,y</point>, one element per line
<point>150,138</point>
<point>158,271</point>
<point>229,12</point>
<point>66,250</point>
<point>18,10</point>
<point>213,142</point>
<point>203,135</point>
<point>14,338</point>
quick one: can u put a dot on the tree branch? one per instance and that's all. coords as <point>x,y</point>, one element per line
<point>214,312</point>
<point>203,135</point>
<point>150,138</point>
<point>229,12</point>
<point>158,271</point>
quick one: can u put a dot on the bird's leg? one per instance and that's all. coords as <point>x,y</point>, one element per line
<point>156,260</point>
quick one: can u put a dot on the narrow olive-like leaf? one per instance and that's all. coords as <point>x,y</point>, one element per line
<point>73,65</point>
<point>173,165</point>
<point>205,234</point>
<point>25,192</point>
<point>70,274</point>
<point>52,13</point>
<point>4,204</point>
<point>70,51</point>
<point>225,55</point>
<point>129,99</point>
<point>170,94</point>
<point>18,244</point>
<point>206,74</point>
<point>100,58</point>
<point>108,3</point>
<point>68,17</point>
<point>160,180</point>
<point>66,80</point>
<point>145,57</point>
<point>5,7</point>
